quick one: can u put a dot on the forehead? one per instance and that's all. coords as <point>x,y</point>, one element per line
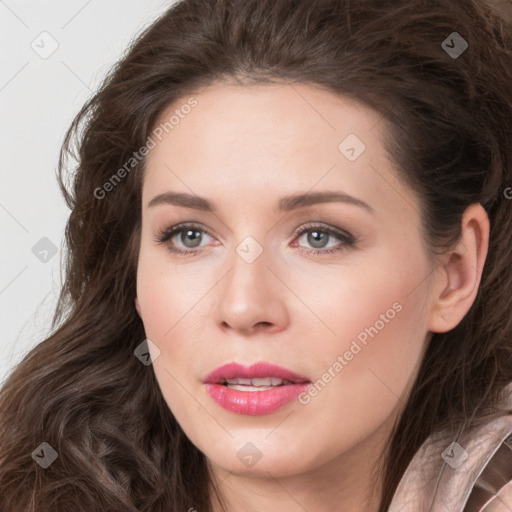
<point>283,118</point>
<point>262,138</point>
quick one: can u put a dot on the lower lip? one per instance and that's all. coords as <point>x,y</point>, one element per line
<point>255,403</point>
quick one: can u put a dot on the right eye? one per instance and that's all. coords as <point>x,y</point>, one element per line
<point>185,233</point>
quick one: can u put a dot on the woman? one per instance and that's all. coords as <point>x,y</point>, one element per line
<point>288,281</point>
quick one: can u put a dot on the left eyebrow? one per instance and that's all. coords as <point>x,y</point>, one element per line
<point>293,202</point>
<point>286,203</point>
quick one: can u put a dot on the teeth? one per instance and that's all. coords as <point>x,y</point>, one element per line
<point>267,381</point>
<point>244,382</point>
<point>249,388</point>
<point>261,382</point>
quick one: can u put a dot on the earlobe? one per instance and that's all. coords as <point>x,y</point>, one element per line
<point>461,272</point>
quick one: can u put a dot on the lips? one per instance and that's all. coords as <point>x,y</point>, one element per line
<point>260,370</point>
<point>254,390</point>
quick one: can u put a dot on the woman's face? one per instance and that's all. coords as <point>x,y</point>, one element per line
<point>344,304</point>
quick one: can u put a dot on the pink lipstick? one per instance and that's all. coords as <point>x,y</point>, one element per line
<point>254,390</point>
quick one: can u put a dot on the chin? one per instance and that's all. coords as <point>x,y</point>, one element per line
<point>278,463</point>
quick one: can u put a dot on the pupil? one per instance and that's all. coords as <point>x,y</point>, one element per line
<point>314,242</point>
<point>193,238</point>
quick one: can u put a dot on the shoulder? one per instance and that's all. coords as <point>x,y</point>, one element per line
<point>492,490</point>
<point>472,475</point>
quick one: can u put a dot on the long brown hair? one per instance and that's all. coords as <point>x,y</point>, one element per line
<point>448,126</point>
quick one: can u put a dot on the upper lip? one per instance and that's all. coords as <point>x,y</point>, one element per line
<point>255,371</point>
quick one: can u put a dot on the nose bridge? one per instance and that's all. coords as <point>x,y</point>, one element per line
<point>248,276</point>
<point>251,251</point>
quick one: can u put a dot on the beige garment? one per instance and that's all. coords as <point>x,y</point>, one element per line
<point>444,476</point>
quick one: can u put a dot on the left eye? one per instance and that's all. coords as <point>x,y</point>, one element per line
<point>318,236</point>
<point>190,236</point>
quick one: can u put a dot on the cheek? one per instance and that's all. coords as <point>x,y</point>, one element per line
<point>165,293</point>
<point>174,309</point>
<point>168,307</point>
<point>379,325</point>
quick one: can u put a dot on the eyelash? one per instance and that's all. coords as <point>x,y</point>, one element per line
<point>348,240</point>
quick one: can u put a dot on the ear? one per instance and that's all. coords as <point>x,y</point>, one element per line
<point>137,306</point>
<point>461,270</point>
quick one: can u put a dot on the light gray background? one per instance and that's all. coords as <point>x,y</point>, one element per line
<point>38,99</point>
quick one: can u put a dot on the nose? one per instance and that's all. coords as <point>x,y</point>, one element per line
<point>251,298</point>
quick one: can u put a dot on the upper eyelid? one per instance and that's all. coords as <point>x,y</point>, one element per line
<point>332,230</point>
<point>303,227</point>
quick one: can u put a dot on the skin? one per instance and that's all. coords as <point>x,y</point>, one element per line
<point>243,148</point>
